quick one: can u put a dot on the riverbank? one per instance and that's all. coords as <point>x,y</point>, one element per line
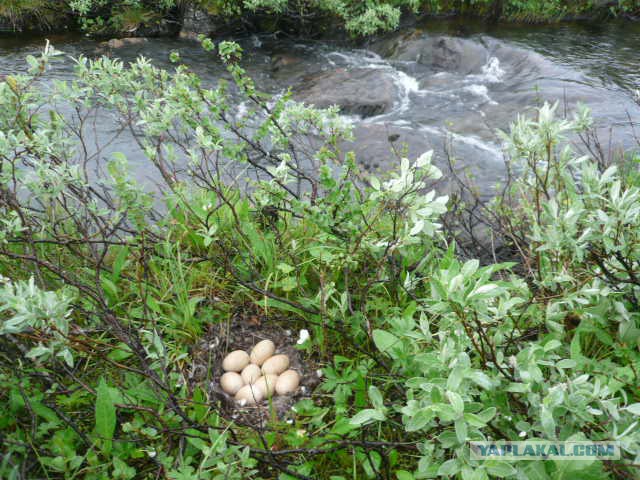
<point>154,19</point>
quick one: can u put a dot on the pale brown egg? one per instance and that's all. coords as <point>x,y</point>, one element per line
<point>235,361</point>
<point>276,364</point>
<point>251,373</point>
<point>249,395</point>
<point>288,382</point>
<point>262,351</point>
<point>231,382</point>
<point>267,383</point>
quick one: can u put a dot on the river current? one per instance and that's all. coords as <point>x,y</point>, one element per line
<point>446,86</point>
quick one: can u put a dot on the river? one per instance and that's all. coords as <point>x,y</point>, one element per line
<point>442,85</point>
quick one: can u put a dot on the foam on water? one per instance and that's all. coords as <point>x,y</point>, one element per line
<point>492,72</point>
<point>406,84</point>
<point>476,142</point>
<point>357,58</point>
<point>470,140</point>
<point>480,91</point>
<point>351,120</point>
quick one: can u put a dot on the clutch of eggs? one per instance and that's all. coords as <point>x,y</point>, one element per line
<point>252,377</point>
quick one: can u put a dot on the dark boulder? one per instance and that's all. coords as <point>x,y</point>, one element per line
<point>441,53</point>
<point>196,21</point>
<point>360,91</point>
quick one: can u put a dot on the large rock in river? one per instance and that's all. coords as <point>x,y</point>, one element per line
<point>441,53</point>
<point>196,21</point>
<point>359,91</point>
<point>379,148</point>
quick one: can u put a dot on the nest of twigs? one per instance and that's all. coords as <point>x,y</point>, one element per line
<point>241,332</point>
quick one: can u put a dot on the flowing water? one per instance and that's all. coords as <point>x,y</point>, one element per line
<point>446,86</point>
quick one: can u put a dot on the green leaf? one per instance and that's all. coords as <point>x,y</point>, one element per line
<point>376,398</point>
<point>384,340</point>
<point>105,413</point>
<point>404,475</point>
<point>499,469</point>
<point>285,307</point>
<point>120,352</point>
<point>566,363</point>
<point>548,423</point>
<point>634,408</point>
<point>121,470</point>
<point>552,345</point>
<point>455,377</point>
<point>456,402</point>
<point>285,268</point>
<point>119,263</point>
<point>481,379</point>
<point>366,416</point>
<point>488,414</point>
<point>535,471</point>
<point>420,420</point>
<point>449,468</point>
<point>110,288</point>
<point>461,430</point>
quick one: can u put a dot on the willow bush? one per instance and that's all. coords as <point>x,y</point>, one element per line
<point>303,17</point>
<point>107,288</point>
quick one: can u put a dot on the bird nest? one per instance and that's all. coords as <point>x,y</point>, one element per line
<point>241,332</point>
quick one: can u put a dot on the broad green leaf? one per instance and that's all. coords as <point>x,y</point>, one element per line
<point>461,430</point>
<point>499,469</point>
<point>366,416</point>
<point>105,413</point>
<point>384,340</point>
<point>634,408</point>
<point>456,402</point>
<point>548,423</point>
<point>420,420</point>
<point>566,363</point>
<point>404,475</point>
<point>449,468</point>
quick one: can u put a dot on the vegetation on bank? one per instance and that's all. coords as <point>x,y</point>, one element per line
<point>108,292</point>
<point>302,16</point>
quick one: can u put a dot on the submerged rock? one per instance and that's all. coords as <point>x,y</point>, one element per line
<point>124,42</point>
<point>360,91</point>
<point>284,60</point>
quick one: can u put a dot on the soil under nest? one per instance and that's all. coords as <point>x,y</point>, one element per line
<point>242,332</point>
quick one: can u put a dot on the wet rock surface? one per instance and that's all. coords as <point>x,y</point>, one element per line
<point>116,43</point>
<point>380,147</point>
<point>440,53</point>
<point>359,91</point>
<point>197,21</point>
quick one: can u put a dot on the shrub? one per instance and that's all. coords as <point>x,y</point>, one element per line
<point>144,17</point>
<point>107,289</point>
